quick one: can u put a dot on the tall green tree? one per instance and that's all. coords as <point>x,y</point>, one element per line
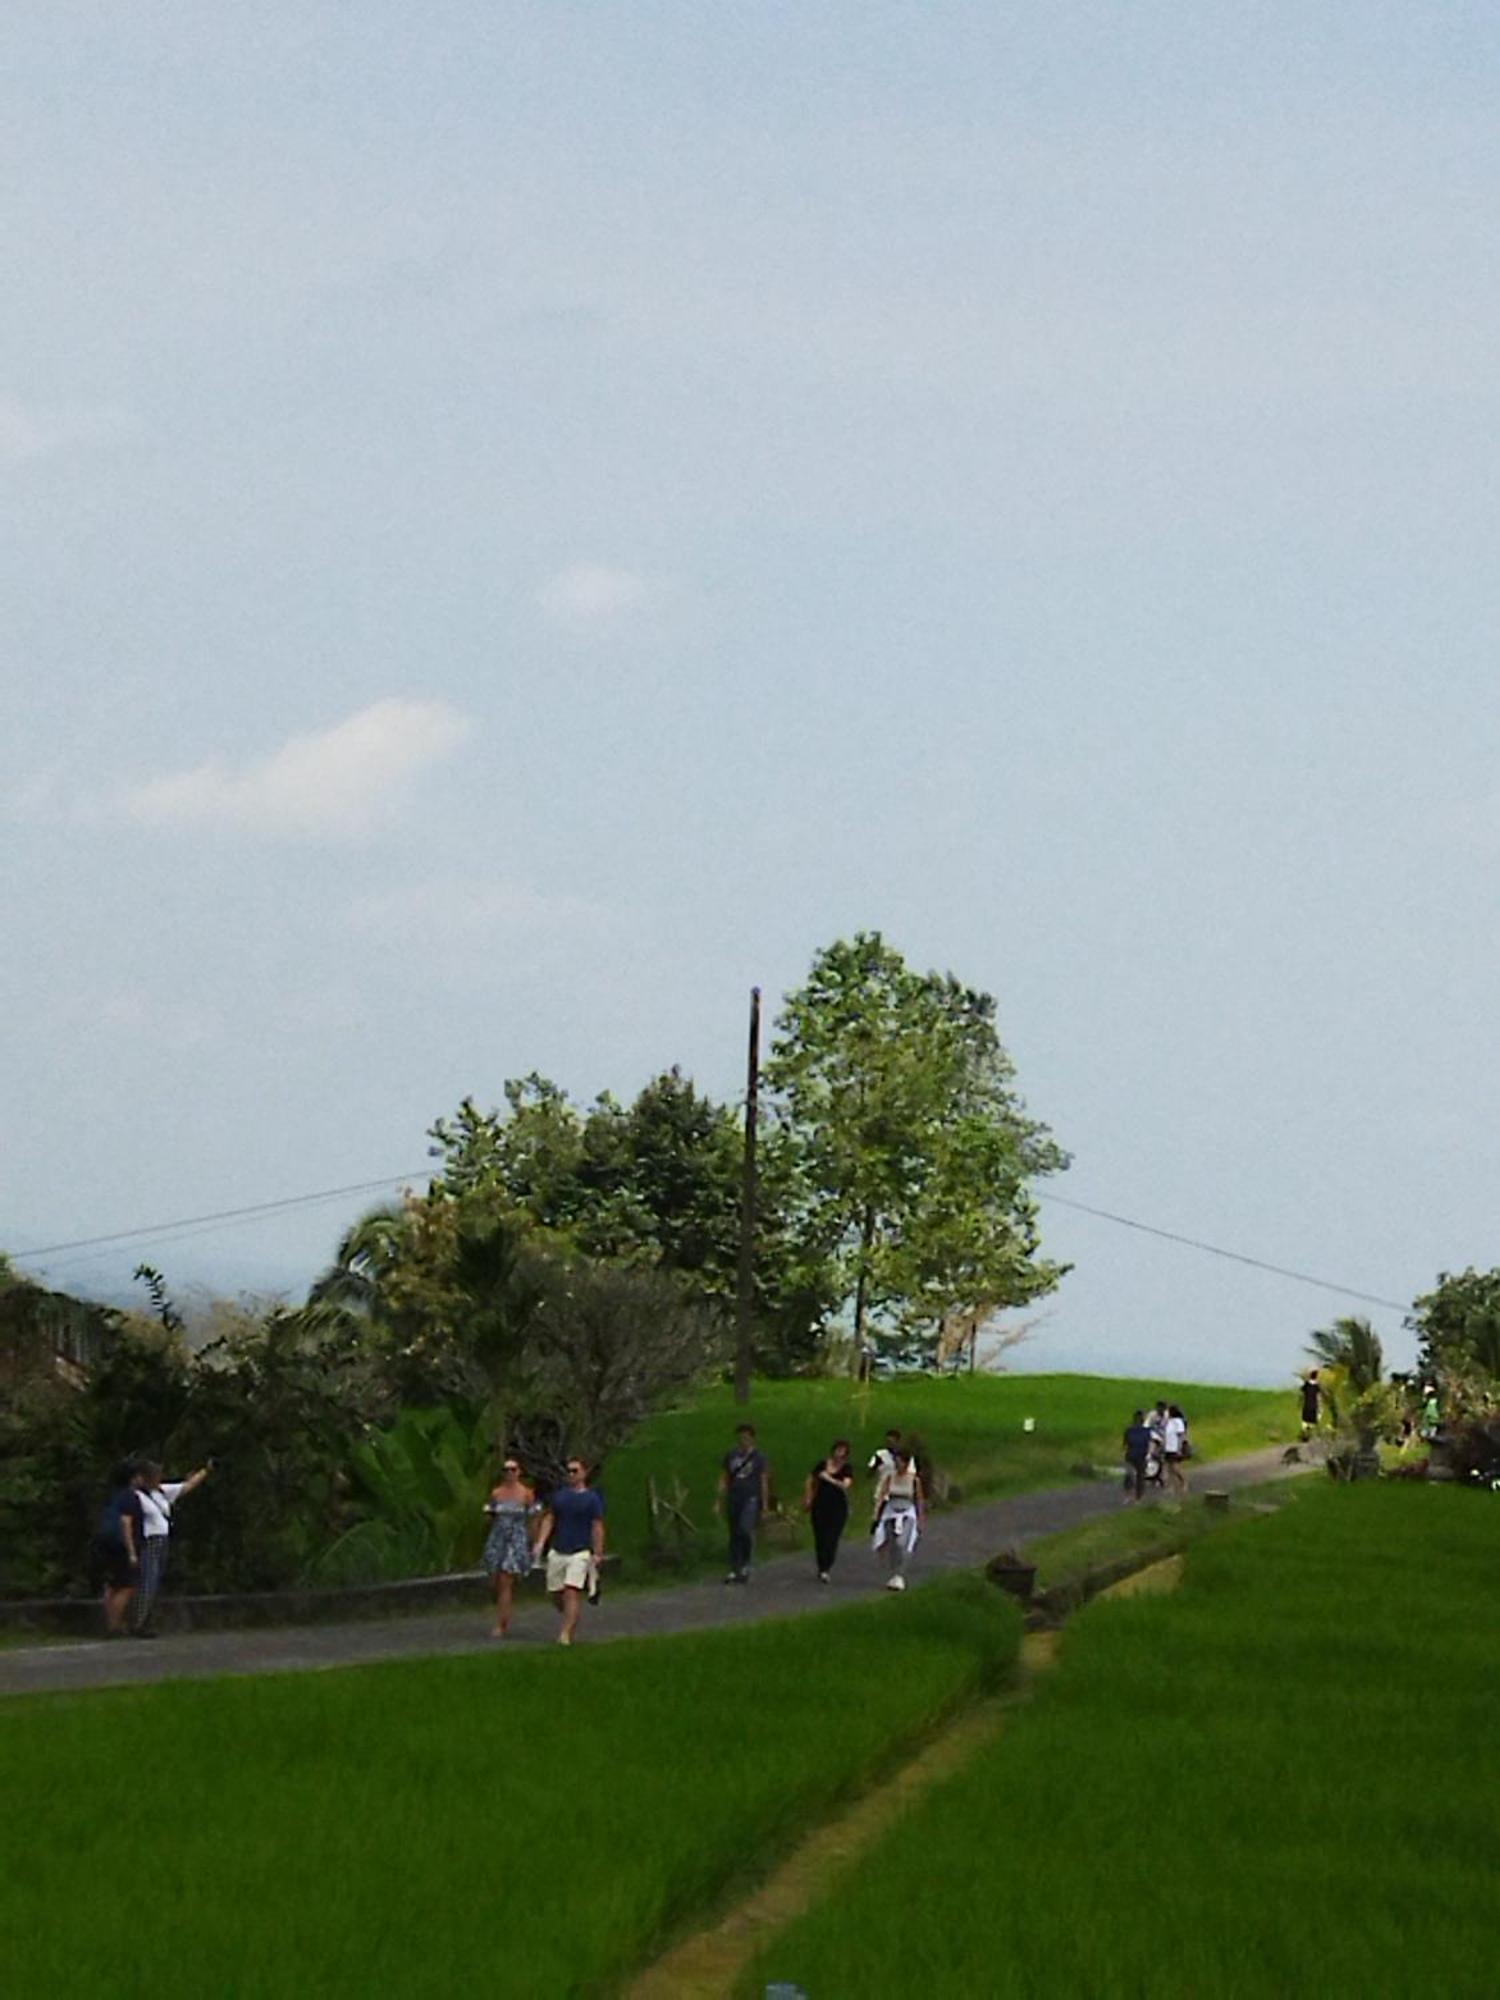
<point>903,1153</point>
<point>655,1182</point>
<point>1458,1327</point>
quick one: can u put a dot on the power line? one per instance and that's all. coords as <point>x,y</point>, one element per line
<point>196,1224</point>
<point>1234,1256</point>
<point>220,1215</point>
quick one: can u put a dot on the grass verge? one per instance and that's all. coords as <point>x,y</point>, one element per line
<point>531,1824</point>
<point>1288,1766</point>
<point>1154,1529</point>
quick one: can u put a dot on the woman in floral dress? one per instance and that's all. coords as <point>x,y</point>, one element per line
<point>508,1553</point>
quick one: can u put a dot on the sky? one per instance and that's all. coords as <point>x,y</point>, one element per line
<point>523,521</point>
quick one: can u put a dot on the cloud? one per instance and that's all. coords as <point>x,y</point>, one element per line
<point>591,599</point>
<point>458,908</point>
<point>337,783</point>
<point>33,430</point>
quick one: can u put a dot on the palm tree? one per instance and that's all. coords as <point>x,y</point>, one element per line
<point>1360,1402</point>
<point>1353,1346</point>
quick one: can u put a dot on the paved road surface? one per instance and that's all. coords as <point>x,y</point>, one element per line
<point>781,1587</point>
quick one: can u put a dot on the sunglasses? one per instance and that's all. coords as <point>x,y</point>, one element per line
<point>511,1466</point>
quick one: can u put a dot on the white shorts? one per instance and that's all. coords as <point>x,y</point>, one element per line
<point>575,1572</point>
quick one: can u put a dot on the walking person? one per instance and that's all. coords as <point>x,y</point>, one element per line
<point>1174,1449</point>
<point>744,1495</point>
<point>159,1497</point>
<point>115,1551</point>
<point>826,1499</point>
<point>881,1462</point>
<point>512,1506</point>
<point>1312,1397</point>
<point>900,1511</point>
<point>573,1525</point>
<point>1137,1456</point>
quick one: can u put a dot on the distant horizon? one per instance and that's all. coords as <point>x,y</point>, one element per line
<point>525,522</point>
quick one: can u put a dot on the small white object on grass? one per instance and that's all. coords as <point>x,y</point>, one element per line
<point>1028,1423</point>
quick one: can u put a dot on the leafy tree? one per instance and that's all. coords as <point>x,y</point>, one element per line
<point>904,1153</point>
<point>1458,1327</point>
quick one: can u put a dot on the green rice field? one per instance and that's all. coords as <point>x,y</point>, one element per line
<point>525,1824</point>
<point>971,1425</point>
<point>1283,1779</point>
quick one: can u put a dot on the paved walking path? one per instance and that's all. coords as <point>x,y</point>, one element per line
<point>782,1587</point>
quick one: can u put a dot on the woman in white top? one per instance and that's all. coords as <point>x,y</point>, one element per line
<point>1174,1449</point>
<point>159,1496</point>
<point>900,1510</point>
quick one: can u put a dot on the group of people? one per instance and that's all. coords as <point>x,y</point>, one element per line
<point>1156,1448</point>
<point>565,1533</point>
<point>899,1503</point>
<point>128,1554</point>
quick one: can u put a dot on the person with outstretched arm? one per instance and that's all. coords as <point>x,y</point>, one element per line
<point>159,1497</point>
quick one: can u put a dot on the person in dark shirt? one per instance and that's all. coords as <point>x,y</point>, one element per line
<point>574,1526</point>
<point>115,1552</point>
<point>1312,1396</point>
<point>744,1494</point>
<point>1138,1436</point>
<point>826,1498</point>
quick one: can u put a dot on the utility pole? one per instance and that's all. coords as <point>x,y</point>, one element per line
<point>744,1301</point>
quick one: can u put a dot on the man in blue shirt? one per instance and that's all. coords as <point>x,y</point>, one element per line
<point>744,1494</point>
<point>1138,1435</point>
<point>574,1525</point>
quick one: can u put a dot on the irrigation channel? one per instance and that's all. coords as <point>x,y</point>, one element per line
<point>785,1587</point>
<point>708,1964</point>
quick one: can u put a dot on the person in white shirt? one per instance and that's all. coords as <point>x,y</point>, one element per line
<point>1173,1449</point>
<point>159,1497</point>
<point>900,1511</point>
<point>882,1464</point>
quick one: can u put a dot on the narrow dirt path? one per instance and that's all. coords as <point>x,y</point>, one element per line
<point>784,1587</point>
<point>707,1965</point>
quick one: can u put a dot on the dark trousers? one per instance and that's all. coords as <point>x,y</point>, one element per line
<point>827,1526</point>
<point>1135,1477</point>
<point>743,1517</point>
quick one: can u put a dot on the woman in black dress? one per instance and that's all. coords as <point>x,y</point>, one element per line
<point>826,1498</point>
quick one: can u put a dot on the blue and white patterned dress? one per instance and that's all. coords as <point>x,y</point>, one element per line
<point>509,1545</point>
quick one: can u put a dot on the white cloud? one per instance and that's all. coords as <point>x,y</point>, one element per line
<point>589,599</point>
<point>458,908</point>
<point>33,430</point>
<point>336,783</point>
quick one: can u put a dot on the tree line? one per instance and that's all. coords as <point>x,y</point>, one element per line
<point>567,1269</point>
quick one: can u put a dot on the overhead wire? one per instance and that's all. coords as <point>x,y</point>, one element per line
<point>185,1227</point>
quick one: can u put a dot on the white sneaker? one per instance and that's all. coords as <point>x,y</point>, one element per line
<point>823,1576</point>
<point>897,1583</point>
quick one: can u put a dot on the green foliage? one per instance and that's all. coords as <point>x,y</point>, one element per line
<point>1458,1326</point>
<point>900,1150</point>
<point>422,1480</point>
<point>1352,1346</point>
<point>335,1833</point>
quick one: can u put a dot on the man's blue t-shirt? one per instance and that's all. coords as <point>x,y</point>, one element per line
<point>124,1501</point>
<point>574,1512</point>
<point>1137,1444</point>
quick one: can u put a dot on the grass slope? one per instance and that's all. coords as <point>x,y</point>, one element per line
<point>526,1824</point>
<point>972,1425</point>
<point>1284,1778</point>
